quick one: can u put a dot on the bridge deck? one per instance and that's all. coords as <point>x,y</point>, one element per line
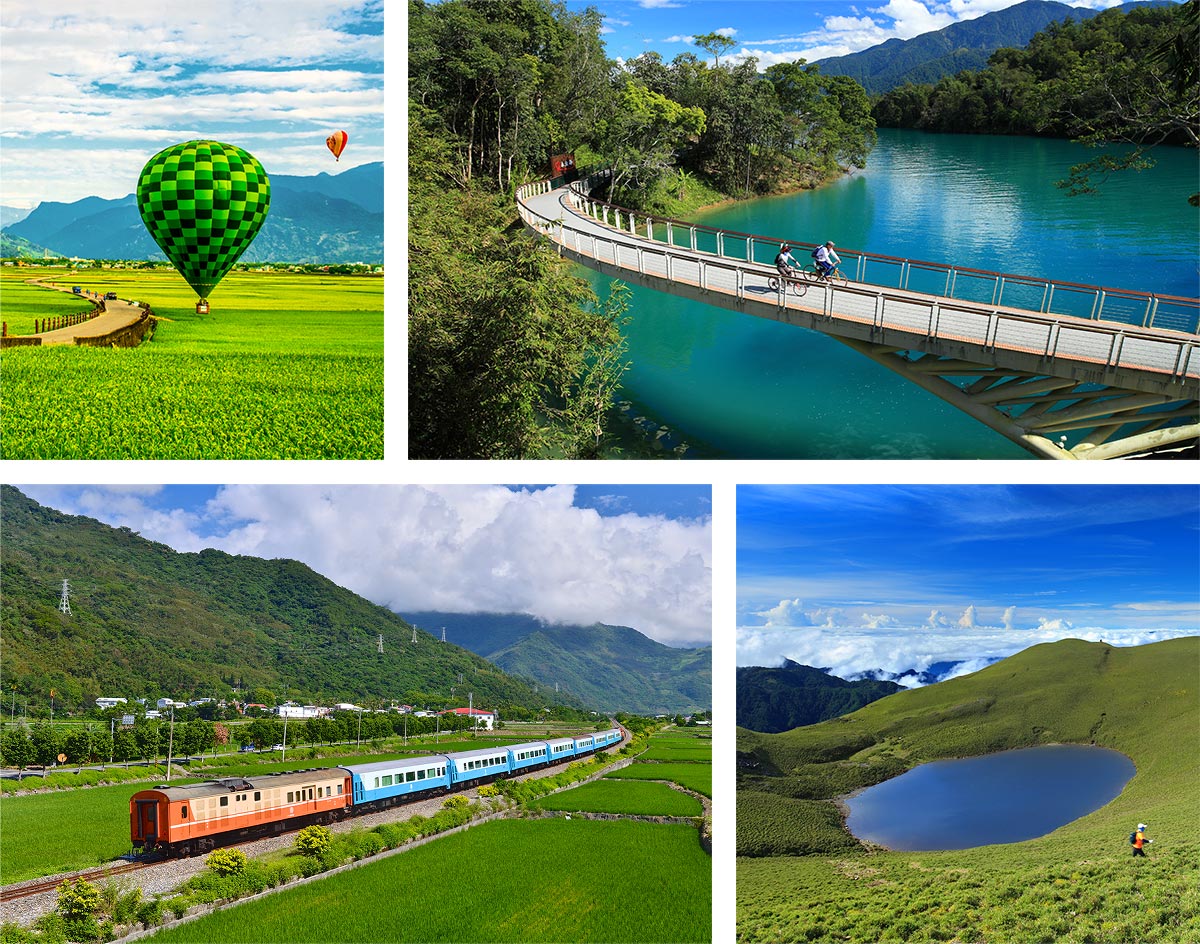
<point>1141,358</point>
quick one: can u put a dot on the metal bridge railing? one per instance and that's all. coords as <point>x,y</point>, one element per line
<point>962,283</point>
<point>1113,344</point>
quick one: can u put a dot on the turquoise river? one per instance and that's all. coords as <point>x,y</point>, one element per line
<point>708,383</point>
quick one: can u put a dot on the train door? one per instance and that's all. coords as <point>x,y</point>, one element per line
<point>147,819</point>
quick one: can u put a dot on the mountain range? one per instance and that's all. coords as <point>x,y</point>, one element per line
<point>149,621</point>
<point>959,46</point>
<point>324,218</point>
<point>609,667</point>
<point>779,699</point>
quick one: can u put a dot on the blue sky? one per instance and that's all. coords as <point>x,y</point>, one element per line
<point>860,576</point>
<point>638,555</point>
<point>781,30</point>
<point>91,90</point>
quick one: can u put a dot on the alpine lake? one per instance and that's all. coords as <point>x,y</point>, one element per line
<point>1006,797</point>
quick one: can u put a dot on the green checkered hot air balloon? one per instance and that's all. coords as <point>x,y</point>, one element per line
<point>203,202</point>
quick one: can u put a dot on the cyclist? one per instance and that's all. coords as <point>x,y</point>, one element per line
<point>827,260</point>
<point>788,267</point>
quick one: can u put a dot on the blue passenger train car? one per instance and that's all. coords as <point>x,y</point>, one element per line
<point>471,766</point>
<point>584,745</point>
<point>525,756</point>
<point>561,749</point>
<point>385,780</point>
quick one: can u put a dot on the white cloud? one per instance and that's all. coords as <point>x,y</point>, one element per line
<point>455,548</point>
<point>785,613</point>
<point>85,87</point>
<point>1054,625</point>
<point>967,620</point>
<point>846,652</point>
<point>912,18</point>
<point>1010,614</point>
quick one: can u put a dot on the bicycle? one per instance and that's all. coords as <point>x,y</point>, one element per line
<point>835,277</point>
<point>798,285</point>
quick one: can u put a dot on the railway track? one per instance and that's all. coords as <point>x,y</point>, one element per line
<point>14,892</point>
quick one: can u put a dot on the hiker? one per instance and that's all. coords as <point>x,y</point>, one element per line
<point>1139,839</point>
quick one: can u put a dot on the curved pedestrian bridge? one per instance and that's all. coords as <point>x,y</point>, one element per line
<point>1067,371</point>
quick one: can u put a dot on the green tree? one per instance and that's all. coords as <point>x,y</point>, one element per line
<point>501,334</point>
<point>715,43</point>
<point>641,138</point>
<point>17,748</point>
<point>46,744</point>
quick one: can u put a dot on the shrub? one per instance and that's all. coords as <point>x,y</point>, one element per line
<point>313,841</point>
<point>79,902</point>
<point>457,802</point>
<point>150,913</point>
<point>227,861</point>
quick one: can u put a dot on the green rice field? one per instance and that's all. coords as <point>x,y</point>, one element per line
<point>465,888</point>
<point>630,796</point>
<point>48,833</point>
<point>285,366</point>
<point>23,304</point>
<point>696,777</point>
<point>678,750</point>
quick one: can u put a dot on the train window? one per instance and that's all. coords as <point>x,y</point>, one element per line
<point>310,794</point>
<point>257,796</point>
<point>387,780</point>
<point>376,783</point>
<point>224,801</point>
<point>410,776</point>
<point>339,789</point>
<point>420,775</point>
<point>183,810</point>
<point>289,799</point>
<point>329,791</point>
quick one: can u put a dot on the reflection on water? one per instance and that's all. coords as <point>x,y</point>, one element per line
<point>736,386</point>
<point>1005,797</point>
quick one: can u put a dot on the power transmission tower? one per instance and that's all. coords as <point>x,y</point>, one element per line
<point>64,602</point>
<point>443,634</point>
<point>380,644</point>
<point>414,635</point>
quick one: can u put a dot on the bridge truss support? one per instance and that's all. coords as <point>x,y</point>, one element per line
<point>1038,411</point>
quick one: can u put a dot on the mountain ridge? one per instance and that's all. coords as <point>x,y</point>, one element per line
<point>606,665</point>
<point>148,620</point>
<point>965,45</point>
<point>323,218</point>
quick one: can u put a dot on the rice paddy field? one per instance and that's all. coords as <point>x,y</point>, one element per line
<point>465,888</point>
<point>629,796</point>
<point>285,366</point>
<point>694,776</point>
<point>48,833</point>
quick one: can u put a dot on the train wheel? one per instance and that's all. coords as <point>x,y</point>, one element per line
<point>185,851</point>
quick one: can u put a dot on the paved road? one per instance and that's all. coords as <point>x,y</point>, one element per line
<point>118,314</point>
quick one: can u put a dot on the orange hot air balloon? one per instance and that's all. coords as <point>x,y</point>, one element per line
<point>336,142</point>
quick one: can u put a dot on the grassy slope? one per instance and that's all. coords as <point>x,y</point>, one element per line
<point>1075,884</point>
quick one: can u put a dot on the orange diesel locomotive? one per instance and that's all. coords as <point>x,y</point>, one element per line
<point>198,818</point>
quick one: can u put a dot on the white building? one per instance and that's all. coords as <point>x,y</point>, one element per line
<point>482,719</point>
<point>299,711</point>
<point>168,704</point>
<point>105,703</point>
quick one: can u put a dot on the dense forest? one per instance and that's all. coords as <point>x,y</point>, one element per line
<point>147,621</point>
<point>1118,77</point>
<point>510,354</point>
